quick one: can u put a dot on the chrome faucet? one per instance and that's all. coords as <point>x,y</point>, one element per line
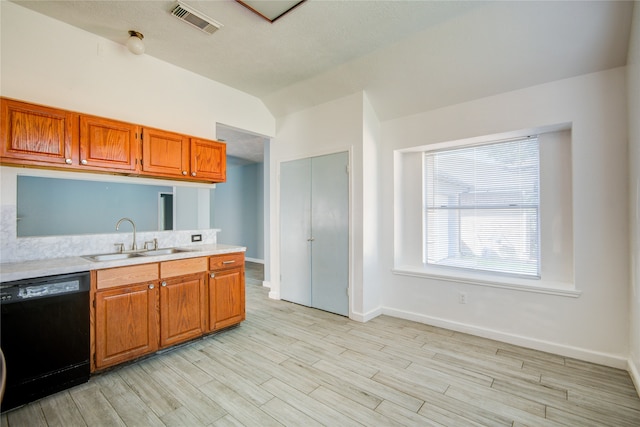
<point>133,246</point>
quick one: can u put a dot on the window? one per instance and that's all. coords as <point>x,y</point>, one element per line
<point>481,207</point>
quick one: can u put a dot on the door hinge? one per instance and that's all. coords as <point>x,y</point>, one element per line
<point>348,169</point>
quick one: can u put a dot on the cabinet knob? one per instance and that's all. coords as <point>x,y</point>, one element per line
<point>151,286</point>
<point>83,161</point>
<point>193,174</point>
<point>184,172</point>
<point>164,283</point>
<point>68,161</point>
<point>212,275</point>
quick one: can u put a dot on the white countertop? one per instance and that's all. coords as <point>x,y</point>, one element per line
<point>52,266</point>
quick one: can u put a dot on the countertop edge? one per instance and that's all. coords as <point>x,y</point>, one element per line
<point>53,266</point>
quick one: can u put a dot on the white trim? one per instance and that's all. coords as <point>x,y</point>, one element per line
<point>634,372</point>
<point>273,294</point>
<point>541,287</point>
<point>365,317</point>
<point>256,260</point>
<point>486,139</point>
<point>607,359</point>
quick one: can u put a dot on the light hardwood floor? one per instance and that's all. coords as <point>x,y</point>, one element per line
<point>297,366</point>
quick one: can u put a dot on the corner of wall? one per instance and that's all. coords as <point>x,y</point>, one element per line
<point>634,372</point>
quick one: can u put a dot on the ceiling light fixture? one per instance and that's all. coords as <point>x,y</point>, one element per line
<point>135,43</point>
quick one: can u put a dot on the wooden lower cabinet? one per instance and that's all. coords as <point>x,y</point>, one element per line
<point>182,309</point>
<point>140,309</point>
<point>126,322</point>
<point>226,291</point>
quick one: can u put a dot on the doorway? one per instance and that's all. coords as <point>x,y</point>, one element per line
<point>314,232</point>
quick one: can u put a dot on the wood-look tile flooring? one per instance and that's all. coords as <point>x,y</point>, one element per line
<point>296,366</point>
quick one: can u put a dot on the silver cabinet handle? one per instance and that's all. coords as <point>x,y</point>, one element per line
<point>229,262</point>
<point>83,161</point>
<point>193,174</point>
<point>151,286</point>
<point>184,172</point>
<point>212,275</point>
<point>68,161</point>
<point>164,284</point>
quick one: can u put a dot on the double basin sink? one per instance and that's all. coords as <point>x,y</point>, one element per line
<point>125,255</point>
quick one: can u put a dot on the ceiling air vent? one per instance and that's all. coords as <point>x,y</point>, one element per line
<point>195,18</point>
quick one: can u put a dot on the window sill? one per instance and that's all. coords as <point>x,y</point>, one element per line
<point>513,283</point>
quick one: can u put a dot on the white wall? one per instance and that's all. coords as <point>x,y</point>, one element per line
<point>633,82</point>
<point>49,62</point>
<point>337,126</point>
<point>593,326</point>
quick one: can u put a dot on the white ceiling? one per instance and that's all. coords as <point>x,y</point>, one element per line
<point>408,56</point>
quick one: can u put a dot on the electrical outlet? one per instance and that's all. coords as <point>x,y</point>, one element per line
<point>196,237</point>
<point>462,297</point>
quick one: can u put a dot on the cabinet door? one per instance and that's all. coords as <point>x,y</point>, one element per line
<point>165,153</point>
<point>208,160</point>
<point>182,305</point>
<point>126,323</point>
<point>108,144</point>
<point>226,298</point>
<point>34,134</point>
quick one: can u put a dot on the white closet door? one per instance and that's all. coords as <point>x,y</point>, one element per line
<point>330,233</point>
<point>295,226</point>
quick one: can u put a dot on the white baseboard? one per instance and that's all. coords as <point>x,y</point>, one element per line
<point>266,284</point>
<point>256,260</point>
<point>606,359</point>
<point>274,294</point>
<point>365,317</point>
<point>634,372</point>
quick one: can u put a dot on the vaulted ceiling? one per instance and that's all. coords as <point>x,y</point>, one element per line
<point>408,56</point>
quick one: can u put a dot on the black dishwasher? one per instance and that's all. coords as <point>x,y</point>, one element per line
<point>44,336</point>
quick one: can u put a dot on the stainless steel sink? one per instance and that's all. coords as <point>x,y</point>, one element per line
<point>112,257</point>
<point>165,251</point>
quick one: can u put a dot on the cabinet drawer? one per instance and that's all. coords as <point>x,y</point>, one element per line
<point>219,262</point>
<point>119,276</point>
<point>180,267</point>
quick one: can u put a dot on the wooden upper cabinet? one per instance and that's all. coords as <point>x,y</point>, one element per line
<point>33,134</point>
<point>164,153</point>
<point>108,144</point>
<point>208,160</point>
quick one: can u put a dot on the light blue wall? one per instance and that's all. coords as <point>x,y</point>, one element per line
<point>237,208</point>
<point>49,206</point>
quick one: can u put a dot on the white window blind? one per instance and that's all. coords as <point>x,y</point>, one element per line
<point>481,207</point>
